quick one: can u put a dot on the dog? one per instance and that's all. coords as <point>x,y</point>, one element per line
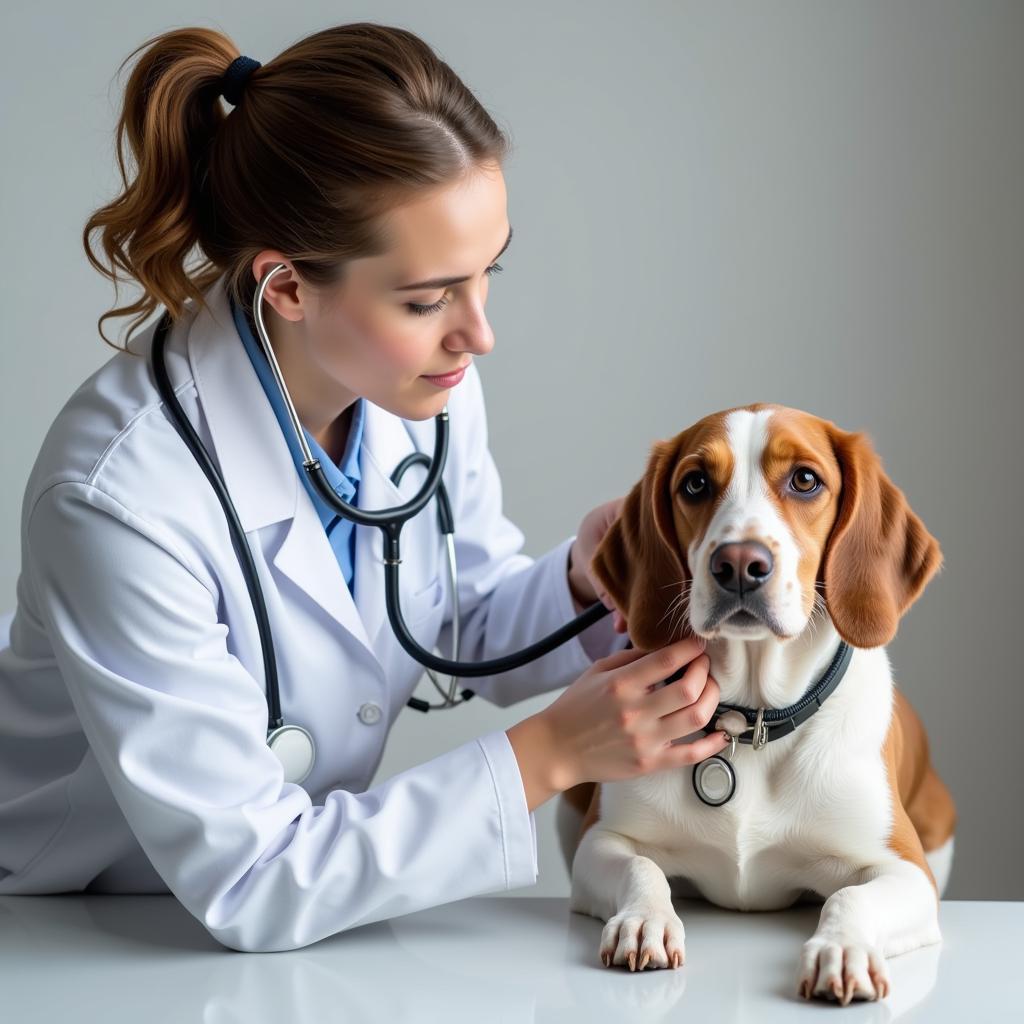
<point>777,536</point>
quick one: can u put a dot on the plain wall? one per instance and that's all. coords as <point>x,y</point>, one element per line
<point>816,204</point>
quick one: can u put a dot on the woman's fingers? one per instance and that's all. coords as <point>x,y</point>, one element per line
<point>682,692</point>
<point>636,671</point>
<point>617,659</point>
<point>690,753</point>
<point>692,717</point>
<point>656,666</point>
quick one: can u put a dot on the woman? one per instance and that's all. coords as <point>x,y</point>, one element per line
<point>133,710</point>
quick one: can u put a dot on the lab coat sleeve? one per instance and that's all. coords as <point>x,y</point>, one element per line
<point>178,727</point>
<point>508,600</point>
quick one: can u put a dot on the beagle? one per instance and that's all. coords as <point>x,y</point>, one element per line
<point>779,538</point>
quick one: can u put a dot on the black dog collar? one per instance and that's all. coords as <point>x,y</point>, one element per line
<point>767,724</point>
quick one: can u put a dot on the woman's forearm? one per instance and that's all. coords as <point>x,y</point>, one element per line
<point>543,766</point>
<point>545,774</point>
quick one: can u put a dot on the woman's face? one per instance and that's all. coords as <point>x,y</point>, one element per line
<point>367,338</point>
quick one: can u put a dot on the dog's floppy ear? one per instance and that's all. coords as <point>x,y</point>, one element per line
<point>638,560</point>
<point>879,556</point>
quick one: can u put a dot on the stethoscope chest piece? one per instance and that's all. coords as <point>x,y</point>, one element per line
<point>295,749</point>
<point>714,779</point>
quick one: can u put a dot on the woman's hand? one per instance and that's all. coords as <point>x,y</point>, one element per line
<point>584,587</point>
<point>612,724</point>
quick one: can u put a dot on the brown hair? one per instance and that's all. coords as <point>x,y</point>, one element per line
<point>338,129</point>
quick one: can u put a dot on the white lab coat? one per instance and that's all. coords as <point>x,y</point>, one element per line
<point>133,714</point>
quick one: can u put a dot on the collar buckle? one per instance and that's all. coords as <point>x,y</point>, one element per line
<point>760,737</point>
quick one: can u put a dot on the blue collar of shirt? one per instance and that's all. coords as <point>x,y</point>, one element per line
<point>343,477</point>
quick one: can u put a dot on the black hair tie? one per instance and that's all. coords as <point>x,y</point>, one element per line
<point>234,79</point>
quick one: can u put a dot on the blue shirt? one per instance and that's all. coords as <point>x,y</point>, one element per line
<point>343,477</point>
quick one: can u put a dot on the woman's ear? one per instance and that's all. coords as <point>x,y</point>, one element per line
<point>638,560</point>
<point>879,556</point>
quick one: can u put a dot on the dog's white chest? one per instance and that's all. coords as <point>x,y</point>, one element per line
<point>794,824</point>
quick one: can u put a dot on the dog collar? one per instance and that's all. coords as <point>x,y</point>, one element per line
<point>767,724</point>
<point>714,778</point>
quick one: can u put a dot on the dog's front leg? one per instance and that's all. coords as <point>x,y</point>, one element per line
<point>613,882</point>
<point>894,909</point>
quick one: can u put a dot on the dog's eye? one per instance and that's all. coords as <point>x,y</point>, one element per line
<point>804,481</point>
<point>695,484</point>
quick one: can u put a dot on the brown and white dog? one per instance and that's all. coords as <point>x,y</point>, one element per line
<point>774,534</point>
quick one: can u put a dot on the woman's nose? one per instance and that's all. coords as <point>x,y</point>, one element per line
<point>473,334</point>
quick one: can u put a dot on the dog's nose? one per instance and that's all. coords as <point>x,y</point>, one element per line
<point>741,566</point>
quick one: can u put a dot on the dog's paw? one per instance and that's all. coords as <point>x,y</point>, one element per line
<point>643,937</point>
<point>842,971</point>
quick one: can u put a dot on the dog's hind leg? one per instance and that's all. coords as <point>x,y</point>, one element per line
<point>928,802</point>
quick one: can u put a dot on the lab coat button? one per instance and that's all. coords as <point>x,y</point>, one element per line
<point>369,713</point>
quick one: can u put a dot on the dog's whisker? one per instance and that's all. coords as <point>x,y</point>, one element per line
<point>679,602</point>
<point>683,609</point>
<point>673,602</point>
<point>819,613</point>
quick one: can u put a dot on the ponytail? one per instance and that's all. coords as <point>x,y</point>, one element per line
<point>327,136</point>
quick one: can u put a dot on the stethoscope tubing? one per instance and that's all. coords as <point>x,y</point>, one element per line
<point>238,539</point>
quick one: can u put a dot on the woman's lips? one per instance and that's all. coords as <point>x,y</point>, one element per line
<point>447,380</point>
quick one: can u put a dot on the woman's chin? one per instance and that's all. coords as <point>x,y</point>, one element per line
<point>418,407</point>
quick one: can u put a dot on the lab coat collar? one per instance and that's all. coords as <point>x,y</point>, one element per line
<point>257,467</point>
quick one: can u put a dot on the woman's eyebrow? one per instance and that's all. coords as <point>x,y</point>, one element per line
<point>444,282</point>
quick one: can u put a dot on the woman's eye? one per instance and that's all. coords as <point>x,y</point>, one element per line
<point>695,484</point>
<point>804,481</point>
<point>423,310</point>
<point>436,307</point>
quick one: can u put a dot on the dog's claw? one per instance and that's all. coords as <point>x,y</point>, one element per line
<point>842,969</point>
<point>644,938</point>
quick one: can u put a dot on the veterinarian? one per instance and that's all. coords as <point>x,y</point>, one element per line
<point>357,184</point>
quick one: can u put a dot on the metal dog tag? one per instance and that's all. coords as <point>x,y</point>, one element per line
<point>714,778</point>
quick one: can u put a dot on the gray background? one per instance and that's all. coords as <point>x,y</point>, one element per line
<point>817,204</point>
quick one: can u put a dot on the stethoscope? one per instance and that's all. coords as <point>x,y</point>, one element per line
<point>293,744</point>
